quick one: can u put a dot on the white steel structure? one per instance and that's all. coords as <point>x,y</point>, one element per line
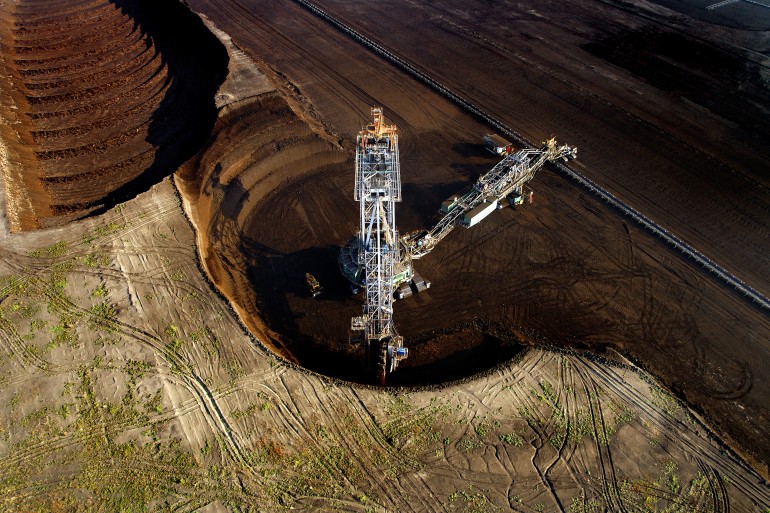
<point>377,189</point>
<point>507,177</point>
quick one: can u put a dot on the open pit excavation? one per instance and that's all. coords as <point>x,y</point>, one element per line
<point>181,343</point>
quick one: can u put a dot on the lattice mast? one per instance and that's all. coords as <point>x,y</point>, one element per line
<point>377,189</point>
<point>508,176</point>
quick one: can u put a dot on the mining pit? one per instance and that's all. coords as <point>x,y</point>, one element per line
<point>253,111</point>
<point>567,270</point>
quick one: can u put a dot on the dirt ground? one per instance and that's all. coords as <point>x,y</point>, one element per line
<point>566,270</point>
<point>130,384</point>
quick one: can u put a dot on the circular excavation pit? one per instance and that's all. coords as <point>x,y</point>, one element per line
<point>272,202</point>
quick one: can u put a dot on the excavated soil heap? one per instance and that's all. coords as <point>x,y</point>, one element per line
<point>102,99</point>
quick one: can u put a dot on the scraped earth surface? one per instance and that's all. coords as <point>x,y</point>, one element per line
<point>129,384</point>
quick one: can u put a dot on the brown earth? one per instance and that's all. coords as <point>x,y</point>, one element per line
<point>567,269</point>
<point>71,70</point>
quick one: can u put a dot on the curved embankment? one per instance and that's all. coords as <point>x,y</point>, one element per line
<point>99,100</point>
<point>262,142</point>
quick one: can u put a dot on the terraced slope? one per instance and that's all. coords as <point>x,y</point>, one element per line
<point>260,145</point>
<point>101,101</point>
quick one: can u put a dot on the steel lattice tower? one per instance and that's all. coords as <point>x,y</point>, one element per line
<point>377,189</point>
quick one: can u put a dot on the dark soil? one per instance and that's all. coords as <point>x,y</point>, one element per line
<point>649,101</point>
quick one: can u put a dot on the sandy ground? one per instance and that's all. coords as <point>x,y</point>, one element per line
<point>168,403</point>
<point>129,384</point>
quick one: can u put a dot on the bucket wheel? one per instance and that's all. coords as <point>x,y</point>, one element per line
<point>382,364</point>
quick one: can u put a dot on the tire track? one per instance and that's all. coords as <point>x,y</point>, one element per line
<point>194,383</point>
<point>710,451</point>
<point>609,481</point>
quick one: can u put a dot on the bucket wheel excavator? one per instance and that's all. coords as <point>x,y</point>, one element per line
<point>379,261</point>
<point>374,258</point>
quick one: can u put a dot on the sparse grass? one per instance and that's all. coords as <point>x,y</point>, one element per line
<point>665,401</point>
<point>205,338</point>
<point>99,291</point>
<point>114,458</point>
<point>103,315</point>
<point>622,412</point>
<point>574,426</point>
<point>64,331</point>
<point>263,405</point>
<point>128,476</point>
<point>666,493</point>
<point>414,431</point>
<point>155,403</point>
<point>14,402</point>
<point>15,286</point>
<point>468,443</point>
<point>171,331</point>
<point>484,426</point>
<point>512,439</point>
<point>471,500</point>
<point>583,505</point>
<point>136,369</point>
<point>175,342</point>
<point>91,260</point>
<point>57,250</point>
<point>25,311</point>
<point>317,467</point>
<point>101,231</point>
<point>35,417</point>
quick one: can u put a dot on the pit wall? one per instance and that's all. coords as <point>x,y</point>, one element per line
<point>262,140</point>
